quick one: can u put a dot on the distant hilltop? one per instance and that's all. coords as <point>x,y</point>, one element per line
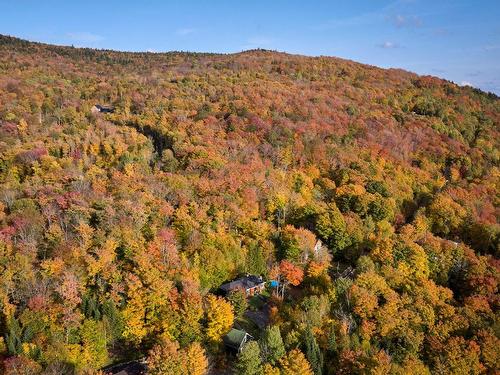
<point>128,57</point>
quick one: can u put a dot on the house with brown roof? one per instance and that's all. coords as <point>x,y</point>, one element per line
<point>250,284</point>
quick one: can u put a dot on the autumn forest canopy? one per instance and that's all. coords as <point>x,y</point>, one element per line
<point>118,229</point>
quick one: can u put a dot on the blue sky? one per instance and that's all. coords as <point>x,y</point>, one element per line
<point>454,39</point>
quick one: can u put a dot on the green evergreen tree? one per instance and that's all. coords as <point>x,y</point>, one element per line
<point>249,362</point>
<point>90,307</point>
<point>313,352</point>
<point>271,345</point>
<point>256,262</point>
<point>332,341</point>
<point>113,321</point>
<point>239,301</point>
<point>13,337</point>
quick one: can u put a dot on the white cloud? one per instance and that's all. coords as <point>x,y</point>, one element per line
<point>185,31</point>
<point>491,47</point>
<point>441,31</point>
<point>389,12</point>
<point>389,45</point>
<point>85,37</point>
<point>400,20</point>
<point>466,83</point>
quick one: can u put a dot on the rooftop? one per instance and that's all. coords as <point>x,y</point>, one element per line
<point>235,338</point>
<point>246,282</point>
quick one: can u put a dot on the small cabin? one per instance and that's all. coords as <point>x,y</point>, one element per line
<point>101,109</point>
<point>236,339</point>
<point>250,284</point>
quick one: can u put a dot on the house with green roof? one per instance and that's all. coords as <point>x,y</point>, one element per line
<point>236,339</point>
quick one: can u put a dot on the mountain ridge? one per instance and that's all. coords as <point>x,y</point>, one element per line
<point>8,39</point>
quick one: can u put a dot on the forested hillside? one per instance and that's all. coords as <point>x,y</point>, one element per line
<point>116,230</point>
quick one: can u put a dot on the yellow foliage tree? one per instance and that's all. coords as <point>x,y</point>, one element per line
<point>196,361</point>
<point>220,317</point>
<point>295,363</point>
<point>133,314</point>
<point>166,358</point>
<point>446,215</point>
<point>270,370</point>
